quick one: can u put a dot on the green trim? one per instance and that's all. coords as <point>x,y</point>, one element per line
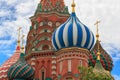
<point>59,76</point>
<point>31,27</point>
<point>48,79</point>
<point>76,75</point>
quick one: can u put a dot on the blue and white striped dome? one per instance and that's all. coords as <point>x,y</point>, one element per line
<point>73,34</point>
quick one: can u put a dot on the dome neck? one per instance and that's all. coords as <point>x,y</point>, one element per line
<point>73,14</point>
<point>22,58</point>
<point>73,7</point>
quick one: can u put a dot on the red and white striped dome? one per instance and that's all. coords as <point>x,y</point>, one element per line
<point>5,66</point>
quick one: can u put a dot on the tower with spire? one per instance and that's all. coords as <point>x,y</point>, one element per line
<point>105,58</point>
<point>98,68</point>
<point>72,41</point>
<point>49,15</point>
<point>4,68</point>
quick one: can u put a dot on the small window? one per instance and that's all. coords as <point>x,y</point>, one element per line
<point>46,38</point>
<point>57,24</point>
<point>50,23</point>
<point>80,62</point>
<point>45,30</point>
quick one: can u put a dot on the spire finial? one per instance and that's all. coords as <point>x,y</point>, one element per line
<point>18,41</point>
<point>73,6</point>
<point>96,24</point>
<point>97,36</point>
<point>22,49</point>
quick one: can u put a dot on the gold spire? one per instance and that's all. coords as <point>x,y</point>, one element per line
<point>18,41</point>
<point>22,48</point>
<point>96,24</point>
<point>97,36</point>
<point>73,6</point>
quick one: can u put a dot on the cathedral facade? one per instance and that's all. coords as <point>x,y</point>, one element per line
<point>57,44</point>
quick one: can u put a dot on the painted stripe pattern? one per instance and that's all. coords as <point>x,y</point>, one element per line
<point>21,70</point>
<point>73,34</point>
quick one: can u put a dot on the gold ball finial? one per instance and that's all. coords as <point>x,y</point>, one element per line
<point>18,41</point>
<point>73,6</point>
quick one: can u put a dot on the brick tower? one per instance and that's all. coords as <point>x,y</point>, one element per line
<point>40,54</point>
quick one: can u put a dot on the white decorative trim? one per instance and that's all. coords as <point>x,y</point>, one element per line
<point>60,66</point>
<point>34,68</point>
<point>53,72</point>
<point>3,76</point>
<point>32,59</point>
<point>33,63</point>
<point>54,57</point>
<point>3,71</point>
<point>54,62</point>
<point>69,65</point>
<point>53,67</point>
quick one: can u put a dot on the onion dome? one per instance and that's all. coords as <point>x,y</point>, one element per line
<point>5,66</point>
<point>21,70</point>
<point>73,33</point>
<point>105,60</point>
<point>100,71</point>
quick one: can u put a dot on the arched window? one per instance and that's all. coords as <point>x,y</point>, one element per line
<point>43,75</point>
<point>44,47</point>
<point>45,30</point>
<point>44,38</point>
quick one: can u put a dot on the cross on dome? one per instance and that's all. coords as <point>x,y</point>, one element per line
<point>19,29</point>
<point>97,36</point>
<point>96,24</point>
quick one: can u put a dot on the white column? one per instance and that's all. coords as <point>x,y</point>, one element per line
<point>60,66</point>
<point>69,65</point>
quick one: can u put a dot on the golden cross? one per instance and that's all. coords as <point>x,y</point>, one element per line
<point>97,36</point>
<point>96,24</point>
<point>19,32</point>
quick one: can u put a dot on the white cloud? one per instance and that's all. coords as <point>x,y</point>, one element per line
<point>3,13</point>
<point>7,52</point>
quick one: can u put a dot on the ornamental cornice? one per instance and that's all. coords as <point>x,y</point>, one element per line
<point>47,14</point>
<point>72,49</point>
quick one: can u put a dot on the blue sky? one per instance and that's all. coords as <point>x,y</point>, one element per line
<point>16,13</point>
